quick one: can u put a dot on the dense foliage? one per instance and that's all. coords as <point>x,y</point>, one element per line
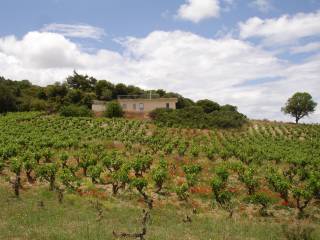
<point>75,111</point>
<point>299,105</point>
<point>113,109</point>
<point>197,117</point>
<point>76,90</point>
<point>75,96</point>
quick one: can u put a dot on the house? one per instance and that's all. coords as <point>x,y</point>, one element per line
<point>138,103</point>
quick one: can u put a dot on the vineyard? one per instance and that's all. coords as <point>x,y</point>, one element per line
<point>98,178</point>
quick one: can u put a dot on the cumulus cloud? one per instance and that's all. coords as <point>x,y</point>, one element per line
<point>198,10</point>
<point>262,5</point>
<point>75,31</point>
<point>282,30</point>
<point>195,66</point>
<point>42,50</point>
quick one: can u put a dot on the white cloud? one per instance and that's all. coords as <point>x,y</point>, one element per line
<point>198,10</point>
<point>310,47</point>
<point>75,31</point>
<point>262,5</point>
<point>183,62</point>
<point>42,50</point>
<point>283,30</point>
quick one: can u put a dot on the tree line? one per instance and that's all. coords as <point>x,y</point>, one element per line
<point>75,95</point>
<point>78,90</point>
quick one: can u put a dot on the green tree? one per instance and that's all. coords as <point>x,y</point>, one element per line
<point>113,110</point>
<point>228,108</point>
<point>104,90</point>
<point>82,82</point>
<point>299,105</point>
<point>208,106</point>
<point>7,100</point>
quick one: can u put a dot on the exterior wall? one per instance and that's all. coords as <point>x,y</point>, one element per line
<point>98,108</point>
<point>138,105</point>
<point>147,105</point>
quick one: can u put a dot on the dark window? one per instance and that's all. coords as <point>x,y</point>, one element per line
<point>167,105</point>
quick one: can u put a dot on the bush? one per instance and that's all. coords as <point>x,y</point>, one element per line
<point>113,110</point>
<point>261,199</point>
<point>196,117</point>
<point>208,106</point>
<point>226,119</point>
<point>75,111</point>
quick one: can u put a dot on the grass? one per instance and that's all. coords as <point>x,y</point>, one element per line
<point>76,219</point>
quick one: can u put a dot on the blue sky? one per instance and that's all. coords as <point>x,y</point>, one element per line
<point>251,53</point>
<point>121,18</point>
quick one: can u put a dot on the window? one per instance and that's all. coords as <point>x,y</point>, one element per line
<point>141,106</point>
<point>124,106</point>
<point>134,106</point>
<point>167,105</point>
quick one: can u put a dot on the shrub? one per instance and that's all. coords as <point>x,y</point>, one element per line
<point>141,164</point>
<point>192,173</point>
<point>208,106</point>
<point>75,111</point>
<point>249,178</point>
<point>48,173</point>
<point>224,197</point>
<point>182,192</point>
<point>261,199</point>
<point>226,119</point>
<point>279,184</point>
<point>160,175</point>
<point>113,110</point>
<point>94,171</point>
<point>16,167</point>
<point>120,178</point>
<point>68,178</point>
<point>196,117</point>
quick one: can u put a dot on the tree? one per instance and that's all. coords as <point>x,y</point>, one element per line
<point>82,82</point>
<point>120,89</point>
<point>114,110</point>
<point>228,108</point>
<point>208,105</point>
<point>7,100</point>
<point>299,105</point>
<point>104,90</point>
<point>183,102</point>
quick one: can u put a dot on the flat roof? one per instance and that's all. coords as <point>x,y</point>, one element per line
<point>148,99</point>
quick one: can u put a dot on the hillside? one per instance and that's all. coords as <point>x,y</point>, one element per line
<point>201,184</point>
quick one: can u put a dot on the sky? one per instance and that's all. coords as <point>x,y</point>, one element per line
<point>254,54</point>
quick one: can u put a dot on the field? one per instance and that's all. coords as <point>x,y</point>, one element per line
<point>83,178</point>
